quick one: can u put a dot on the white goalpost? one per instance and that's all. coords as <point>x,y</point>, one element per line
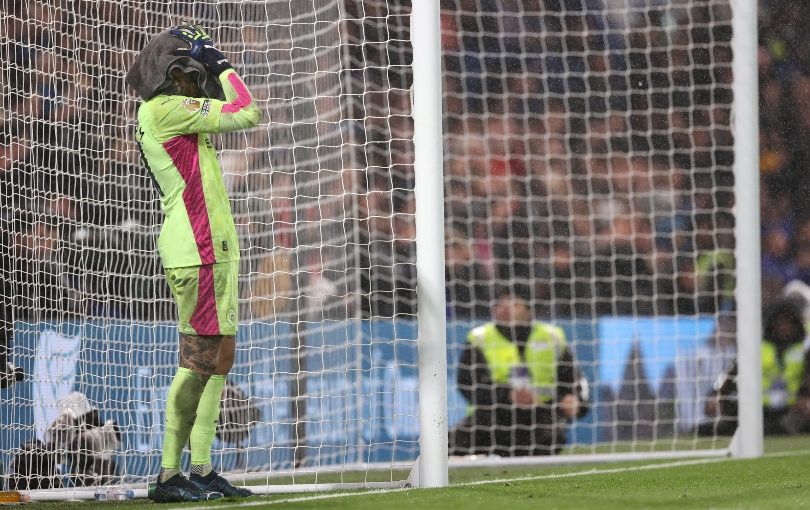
<point>597,159</point>
<point>429,193</point>
<point>748,441</point>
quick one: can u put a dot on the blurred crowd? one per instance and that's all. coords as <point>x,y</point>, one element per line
<point>589,154</point>
<point>588,158</point>
<point>784,89</point>
<point>72,192</point>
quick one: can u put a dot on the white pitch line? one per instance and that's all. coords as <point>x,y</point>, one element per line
<point>552,476</point>
<point>299,499</point>
<point>572,474</point>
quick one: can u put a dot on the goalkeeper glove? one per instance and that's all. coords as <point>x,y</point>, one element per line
<point>201,48</point>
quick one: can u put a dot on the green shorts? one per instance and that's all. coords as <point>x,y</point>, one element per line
<point>207,298</point>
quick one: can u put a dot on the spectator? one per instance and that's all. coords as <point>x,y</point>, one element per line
<point>466,280</point>
<point>568,285</point>
<point>624,274</point>
<point>776,260</point>
<point>521,382</point>
<point>715,263</point>
<point>802,261</point>
<point>510,240</point>
<point>40,294</point>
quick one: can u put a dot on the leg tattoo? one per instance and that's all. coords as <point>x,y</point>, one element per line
<point>199,353</point>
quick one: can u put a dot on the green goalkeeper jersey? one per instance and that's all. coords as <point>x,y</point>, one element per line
<point>198,227</point>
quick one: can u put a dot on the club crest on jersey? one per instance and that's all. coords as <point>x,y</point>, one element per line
<point>191,105</point>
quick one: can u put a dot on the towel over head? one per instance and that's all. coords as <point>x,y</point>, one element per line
<point>149,75</point>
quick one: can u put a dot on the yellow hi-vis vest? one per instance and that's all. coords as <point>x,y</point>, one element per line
<point>791,371</point>
<point>543,348</point>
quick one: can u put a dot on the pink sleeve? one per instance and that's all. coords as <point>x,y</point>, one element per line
<point>242,98</point>
<point>239,111</point>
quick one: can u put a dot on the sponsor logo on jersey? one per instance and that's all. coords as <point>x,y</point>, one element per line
<point>191,105</point>
<point>231,316</point>
<point>206,107</point>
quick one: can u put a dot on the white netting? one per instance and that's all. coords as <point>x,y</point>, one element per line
<point>315,381</point>
<point>588,168</point>
<point>588,159</point>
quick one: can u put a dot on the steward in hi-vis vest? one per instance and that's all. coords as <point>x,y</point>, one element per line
<point>785,391</point>
<point>785,377</point>
<point>782,374</point>
<point>521,383</point>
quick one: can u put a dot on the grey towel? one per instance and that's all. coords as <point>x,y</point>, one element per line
<point>149,74</point>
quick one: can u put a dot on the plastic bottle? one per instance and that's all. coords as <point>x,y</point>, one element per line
<point>113,493</point>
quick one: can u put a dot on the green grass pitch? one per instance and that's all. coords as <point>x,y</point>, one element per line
<point>779,480</point>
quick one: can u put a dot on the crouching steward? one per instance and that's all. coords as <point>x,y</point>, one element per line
<point>521,383</point>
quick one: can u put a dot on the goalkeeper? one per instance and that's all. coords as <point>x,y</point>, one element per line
<point>189,90</point>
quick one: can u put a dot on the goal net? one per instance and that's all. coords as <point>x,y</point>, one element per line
<point>588,170</point>
<point>324,378</point>
<point>588,167</point>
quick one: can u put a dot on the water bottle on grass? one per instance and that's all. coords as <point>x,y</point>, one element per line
<point>112,493</point>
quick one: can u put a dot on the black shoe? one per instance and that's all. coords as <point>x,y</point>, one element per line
<point>213,482</point>
<point>178,489</point>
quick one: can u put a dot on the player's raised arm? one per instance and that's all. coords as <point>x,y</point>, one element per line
<point>240,110</point>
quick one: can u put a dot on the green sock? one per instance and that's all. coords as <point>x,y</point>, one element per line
<point>181,410</point>
<point>205,426</point>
